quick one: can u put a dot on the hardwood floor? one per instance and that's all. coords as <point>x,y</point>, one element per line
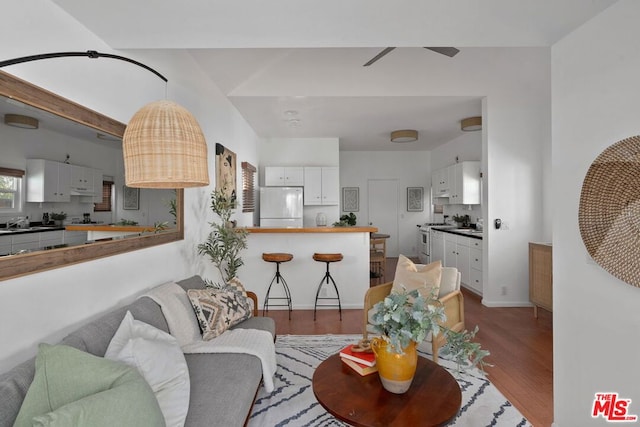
<point>521,346</point>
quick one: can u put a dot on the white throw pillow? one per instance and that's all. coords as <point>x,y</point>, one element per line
<point>161,362</point>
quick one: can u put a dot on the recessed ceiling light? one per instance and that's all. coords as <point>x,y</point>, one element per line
<point>291,113</point>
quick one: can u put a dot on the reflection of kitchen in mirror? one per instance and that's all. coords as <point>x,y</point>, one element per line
<point>70,169</point>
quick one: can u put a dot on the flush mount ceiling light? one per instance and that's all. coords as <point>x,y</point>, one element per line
<point>163,144</point>
<point>20,121</point>
<point>406,135</point>
<point>471,124</point>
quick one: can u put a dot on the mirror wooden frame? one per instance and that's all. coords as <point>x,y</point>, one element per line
<point>20,265</point>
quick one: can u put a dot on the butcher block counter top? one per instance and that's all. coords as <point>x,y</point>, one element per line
<point>312,230</point>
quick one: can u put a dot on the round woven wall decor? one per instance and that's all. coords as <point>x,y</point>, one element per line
<point>609,213</point>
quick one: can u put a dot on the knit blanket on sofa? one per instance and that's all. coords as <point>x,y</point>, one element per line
<point>183,325</point>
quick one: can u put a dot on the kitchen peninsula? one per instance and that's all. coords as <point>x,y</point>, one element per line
<point>303,274</point>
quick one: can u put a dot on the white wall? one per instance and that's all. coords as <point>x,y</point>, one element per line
<point>302,152</point>
<point>48,305</point>
<point>596,316</point>
<point>515,84</point>
<point>409,168</point>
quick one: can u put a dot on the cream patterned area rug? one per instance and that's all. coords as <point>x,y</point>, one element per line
<point>292,402</point>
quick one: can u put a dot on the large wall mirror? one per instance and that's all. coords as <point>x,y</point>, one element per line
<point>142,207</point>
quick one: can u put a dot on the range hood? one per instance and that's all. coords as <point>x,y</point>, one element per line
<point>80,191</point>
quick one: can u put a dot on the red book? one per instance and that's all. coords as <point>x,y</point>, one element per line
<point>368,359</point>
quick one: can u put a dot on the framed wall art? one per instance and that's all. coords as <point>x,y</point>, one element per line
<point>226,171</point>
<point>350,199</point>
<point>130,198</point>
<point>415,199</point>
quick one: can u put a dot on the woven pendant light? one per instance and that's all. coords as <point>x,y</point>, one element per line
<point>164,147</point>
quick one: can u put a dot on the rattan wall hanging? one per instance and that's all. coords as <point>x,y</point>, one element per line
<point>609,212</point>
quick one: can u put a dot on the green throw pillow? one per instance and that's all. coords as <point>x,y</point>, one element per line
<point>73,388</point>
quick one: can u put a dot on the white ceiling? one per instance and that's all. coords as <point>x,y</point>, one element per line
<point>279,56</point>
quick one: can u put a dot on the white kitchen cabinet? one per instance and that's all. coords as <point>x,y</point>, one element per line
<point>278,176</point>
<point>321,185</point>
<point>464,183</point>
<point>5,245</point>
<point>97,185</point>
<point>450,246</point>
<point>465,254</point>
<point>82,179</point>
<point>75,237</point>
<point>440,183</point>
<point>437,246</point>
<point>25,241</point>
<point>48,181</point>
<point>475,271</point>
<point>51,238</point>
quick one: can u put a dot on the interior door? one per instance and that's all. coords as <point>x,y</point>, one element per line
<point>382,195</point>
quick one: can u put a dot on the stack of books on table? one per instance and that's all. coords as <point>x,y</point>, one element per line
<point>361,362</point>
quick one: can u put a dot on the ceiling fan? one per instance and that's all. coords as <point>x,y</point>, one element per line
<point>448,51</point>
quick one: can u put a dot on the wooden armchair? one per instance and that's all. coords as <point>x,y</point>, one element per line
<point>450,296</point>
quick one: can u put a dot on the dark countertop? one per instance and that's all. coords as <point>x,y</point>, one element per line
<point>32,229</point>
<point>468,232</point>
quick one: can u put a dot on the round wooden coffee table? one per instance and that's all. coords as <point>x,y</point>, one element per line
<point>433,399</point>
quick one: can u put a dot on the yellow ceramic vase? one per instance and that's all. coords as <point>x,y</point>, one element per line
<point>396,371</point>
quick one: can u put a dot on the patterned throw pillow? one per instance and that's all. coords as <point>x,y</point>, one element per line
<point>219,309</point>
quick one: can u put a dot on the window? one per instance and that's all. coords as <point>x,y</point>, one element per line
<point>11,190</point>
<point>107,191</point>
<point>248,188</point>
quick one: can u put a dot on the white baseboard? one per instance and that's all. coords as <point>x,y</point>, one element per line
<point>489,303</point>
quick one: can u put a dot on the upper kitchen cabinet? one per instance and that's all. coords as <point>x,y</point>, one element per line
<point>48,181</point>
<point>457,184</point>
<point>465,183</point>
<point>321,185</point>
<point>440,182</point>
<point>276,176</point>
<point>82,179</point>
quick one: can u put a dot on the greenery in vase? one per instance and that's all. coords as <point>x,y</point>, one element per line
<point>225,242</point>
<point>404,316</point>
<point>58,216</point>
<point>463,220</point>
<point>346,220</point>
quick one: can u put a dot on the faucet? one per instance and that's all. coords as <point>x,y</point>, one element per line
<point>18,222</point>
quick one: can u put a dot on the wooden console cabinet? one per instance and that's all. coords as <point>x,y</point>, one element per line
<point>540,276</point>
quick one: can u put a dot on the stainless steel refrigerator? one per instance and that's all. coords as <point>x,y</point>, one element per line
<point>281,206</point>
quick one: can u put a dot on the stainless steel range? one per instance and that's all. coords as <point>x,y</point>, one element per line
<point>424,241</point>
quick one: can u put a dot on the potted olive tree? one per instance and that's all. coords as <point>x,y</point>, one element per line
<point>225,241</point>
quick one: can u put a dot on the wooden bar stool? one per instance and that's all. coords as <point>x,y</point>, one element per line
<point>277,258</point>
<point>327,258</point>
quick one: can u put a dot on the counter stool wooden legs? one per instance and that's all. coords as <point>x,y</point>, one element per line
<point>277,258</point>
<point>327,258</point>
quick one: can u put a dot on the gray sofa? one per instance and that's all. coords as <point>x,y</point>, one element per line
<point>223,386</point>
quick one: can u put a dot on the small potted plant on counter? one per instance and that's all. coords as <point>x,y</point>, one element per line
<point>57,218</point>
